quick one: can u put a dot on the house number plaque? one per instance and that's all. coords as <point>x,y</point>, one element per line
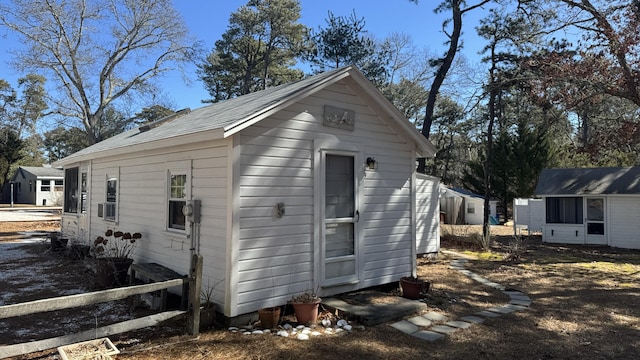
<point>339,118</point>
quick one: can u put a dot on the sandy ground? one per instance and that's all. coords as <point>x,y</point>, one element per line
<point>29,215</point>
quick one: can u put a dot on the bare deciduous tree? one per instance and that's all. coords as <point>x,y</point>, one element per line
<point>96,52</point>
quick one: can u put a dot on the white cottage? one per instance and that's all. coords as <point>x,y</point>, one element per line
<point>464,207</point>
<point>592,206</point>
<point>38,185</point>
<point>310,185</point>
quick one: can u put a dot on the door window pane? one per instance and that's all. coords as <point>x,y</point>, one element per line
<point>595,209</point>
<point>339,239</point>
<point>340,192</point>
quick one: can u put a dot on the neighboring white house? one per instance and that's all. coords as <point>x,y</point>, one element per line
<point>593,206</point>
<point>310,185</point>
<point>41,186</point>
<point>463,207</point>
<point>528,214</point>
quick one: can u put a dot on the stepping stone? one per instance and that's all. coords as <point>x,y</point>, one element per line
<point>520,297</point>
<point>434,316</point>
<point>501,310</point>
<point>487,314</point>
<point>520,302</point>
<point>444,329</point>
<point>405,326</point>
<point>472,319</point>
<point>428,335</point>
<point>458,324</point>
<point>515,307</point>
<point>465,272</point>
<point>420,321</point>
<point>512,293</point>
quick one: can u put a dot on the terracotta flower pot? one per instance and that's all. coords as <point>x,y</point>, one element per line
<point>269,317</point>
<point>306,313</point>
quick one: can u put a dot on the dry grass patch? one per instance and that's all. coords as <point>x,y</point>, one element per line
<point>585,306</point>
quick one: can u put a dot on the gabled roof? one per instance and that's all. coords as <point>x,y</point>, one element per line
<point>589,181</point>
<point>42,172</point>
<point>223,119</point>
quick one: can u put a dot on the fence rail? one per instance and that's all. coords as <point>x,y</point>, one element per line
<point>96,297</point>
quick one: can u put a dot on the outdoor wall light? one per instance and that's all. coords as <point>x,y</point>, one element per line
<point>371,163</point>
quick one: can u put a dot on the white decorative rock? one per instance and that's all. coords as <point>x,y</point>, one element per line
<point>326,322</point>
<point>347,327</point>
<point>300,327</point>
<point>282,333</point>
<point>246,333</point>
<point>303,337</point>
<point>339,330</point>
<point>257,332</point>
<point>306,331</point>
<point>315,333</point>
<point>242,330</point>
<point>232,328</point>
<point>266,331</point>
<point>329,330</point>
<point>342,323</point>
<point>287,326</point>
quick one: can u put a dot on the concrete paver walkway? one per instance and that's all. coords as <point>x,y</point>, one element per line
<point>433,326</point>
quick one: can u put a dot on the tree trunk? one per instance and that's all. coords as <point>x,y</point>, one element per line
<point>444,67</point>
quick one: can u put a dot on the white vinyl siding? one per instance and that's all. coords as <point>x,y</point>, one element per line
<point>142,205</point>
<point>276,255</point>
<point>624,222</point>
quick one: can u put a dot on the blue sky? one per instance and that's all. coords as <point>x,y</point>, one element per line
<point>208,19</point>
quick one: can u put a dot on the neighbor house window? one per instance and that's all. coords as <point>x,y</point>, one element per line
<point>564,210</point>
<point>83,193</point>
<point>70,190</point>
<point>112,199</point>
<point>58,185</point>
<point>176,200</point>
<point>471,208</point>
<point>45,185</point>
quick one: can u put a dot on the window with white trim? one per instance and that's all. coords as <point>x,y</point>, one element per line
<point>45,185</point>
<point>110,205</point>
<point>471,208</point>
<point>176,200</point>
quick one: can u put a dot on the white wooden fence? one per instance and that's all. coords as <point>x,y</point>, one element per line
<point>72,301</point>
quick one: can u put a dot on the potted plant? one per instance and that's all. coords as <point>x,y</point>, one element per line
<point>412,287</point>
<point>207,309</point>
<point>305,307</point>
<point>58,241</point>
<point>113,257</point>
<point>269,317</point>
<point>80,247</point>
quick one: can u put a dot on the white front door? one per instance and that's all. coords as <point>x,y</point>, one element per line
<point>595,221</point>
<point>339,229</point>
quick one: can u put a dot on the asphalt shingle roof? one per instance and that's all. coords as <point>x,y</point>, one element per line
<point>227,116</point>
<point>41,171</point>
<point>585,181</point>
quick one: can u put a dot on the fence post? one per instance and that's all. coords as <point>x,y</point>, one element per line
<point>195,283</point>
